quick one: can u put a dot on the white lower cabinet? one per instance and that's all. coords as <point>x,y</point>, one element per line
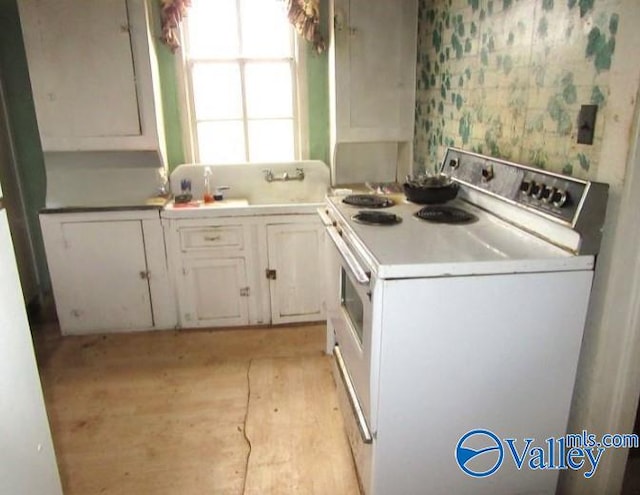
<point>108,271</point>
<point>249,270</point>
<point>216,292</point>
<point>295,275</point>
<point>212,261</point>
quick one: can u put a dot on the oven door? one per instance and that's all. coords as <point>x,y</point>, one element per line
<point>349,314</point>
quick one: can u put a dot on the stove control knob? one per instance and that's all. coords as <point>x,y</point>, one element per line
<point>525,187</point>
<point>547,194</point>
<point>487,173</point>
<point>536,190</point>
<point>560,198</point>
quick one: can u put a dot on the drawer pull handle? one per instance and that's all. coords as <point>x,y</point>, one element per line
<point>212,238</point>
<point>356,408</point>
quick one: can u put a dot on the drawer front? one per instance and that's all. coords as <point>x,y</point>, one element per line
<point>362,452</point>
<point>216,237</point>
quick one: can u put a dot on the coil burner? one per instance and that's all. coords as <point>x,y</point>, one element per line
<point>446,214</point>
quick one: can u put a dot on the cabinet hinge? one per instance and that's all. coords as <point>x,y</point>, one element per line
<point>244,291</point>
<point>270,274</point>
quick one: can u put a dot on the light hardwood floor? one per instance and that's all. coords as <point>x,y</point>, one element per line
<point>248,411</point>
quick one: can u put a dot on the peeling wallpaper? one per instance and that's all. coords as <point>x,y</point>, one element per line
<point>507,78</point>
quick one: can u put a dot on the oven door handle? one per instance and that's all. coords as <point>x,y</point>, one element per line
<point>326,220</point>
<point>365,433</point>
<point>358,272</point>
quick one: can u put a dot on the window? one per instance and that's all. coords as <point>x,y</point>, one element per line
<point>242,81</point>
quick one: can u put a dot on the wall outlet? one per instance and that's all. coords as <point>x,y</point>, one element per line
<point>587,123</point>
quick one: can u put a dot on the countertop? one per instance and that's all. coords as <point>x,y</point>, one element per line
<point>194,209</point>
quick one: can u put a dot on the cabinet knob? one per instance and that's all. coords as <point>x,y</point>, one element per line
<point>145,275</point>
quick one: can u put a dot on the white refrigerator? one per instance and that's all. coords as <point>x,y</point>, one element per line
<point>27,459</point>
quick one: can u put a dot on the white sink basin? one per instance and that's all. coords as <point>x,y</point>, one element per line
<point>247,182</point>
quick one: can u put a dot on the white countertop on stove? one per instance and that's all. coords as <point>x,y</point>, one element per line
<point>415,248</point>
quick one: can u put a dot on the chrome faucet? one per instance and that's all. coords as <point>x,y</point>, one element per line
<point>270,177</point>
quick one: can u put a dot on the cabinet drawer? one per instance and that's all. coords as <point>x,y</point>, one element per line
<point>221,237</point>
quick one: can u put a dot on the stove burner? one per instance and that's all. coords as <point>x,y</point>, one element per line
<point>446,214</point>
<point>368,201</point>
<point>368,217</point>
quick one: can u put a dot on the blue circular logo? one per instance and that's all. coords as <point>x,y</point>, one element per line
<point>479,453</point>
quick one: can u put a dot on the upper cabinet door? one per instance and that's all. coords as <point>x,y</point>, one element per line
<point>90,66</point>
<point>374,62</point>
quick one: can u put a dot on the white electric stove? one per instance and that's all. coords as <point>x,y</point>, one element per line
<point>444,328</point>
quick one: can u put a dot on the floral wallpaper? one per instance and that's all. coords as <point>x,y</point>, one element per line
<point>507,78</point>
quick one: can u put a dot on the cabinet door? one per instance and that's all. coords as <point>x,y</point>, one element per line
<point>215,293</point>
<point>374,60</point>
<point>81,68</point>
<point>294,252</point>
<point>100,279</point>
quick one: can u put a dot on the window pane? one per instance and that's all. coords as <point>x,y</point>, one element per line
<point>265,29</point>
<point>216,91</point>
<point>221,142</point>
<point>271,140</point>
<point>213,29</point>
<point>268,90</point>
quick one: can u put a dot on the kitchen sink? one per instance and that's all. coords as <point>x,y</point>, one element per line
<point>248,182</point>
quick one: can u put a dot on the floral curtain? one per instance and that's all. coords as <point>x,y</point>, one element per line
<point>171,15</point>
<point>305,17</point>
<point>303,14</point>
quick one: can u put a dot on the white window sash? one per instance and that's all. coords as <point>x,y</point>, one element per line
<point>186,101</point>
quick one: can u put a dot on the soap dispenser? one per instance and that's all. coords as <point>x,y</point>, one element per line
<point>207,196</point>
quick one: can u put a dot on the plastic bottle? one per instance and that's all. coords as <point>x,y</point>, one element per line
<point>207,196</point>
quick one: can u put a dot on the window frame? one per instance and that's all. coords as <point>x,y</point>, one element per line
<point>186,104</point>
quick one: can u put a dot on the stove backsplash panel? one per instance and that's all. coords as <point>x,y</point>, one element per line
<point>507,78</point>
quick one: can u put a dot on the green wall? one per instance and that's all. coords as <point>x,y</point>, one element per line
<point>22,119</point>
<point>318,93</point>
<point>169,90</point>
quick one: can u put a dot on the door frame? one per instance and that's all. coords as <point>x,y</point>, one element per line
<point>608,387</point>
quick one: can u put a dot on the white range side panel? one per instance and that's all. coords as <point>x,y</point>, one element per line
<point>27,458</point>
<point>496,352</point>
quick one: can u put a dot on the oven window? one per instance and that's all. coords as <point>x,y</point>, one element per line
<point>352,305</point>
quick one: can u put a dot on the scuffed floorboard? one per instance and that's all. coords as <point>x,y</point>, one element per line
<point>295,430</point>
<point>163,413</point>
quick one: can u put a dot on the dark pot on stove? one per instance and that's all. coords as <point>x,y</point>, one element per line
<point>430,190</point>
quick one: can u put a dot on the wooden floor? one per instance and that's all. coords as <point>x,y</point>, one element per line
<point>250,411</point>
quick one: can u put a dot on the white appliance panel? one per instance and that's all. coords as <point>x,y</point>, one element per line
<point>467,366</point>
<point>27,458</point>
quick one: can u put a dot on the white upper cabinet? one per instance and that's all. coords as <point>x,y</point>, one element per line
<point>93,74</point>
<point>373,70</point>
